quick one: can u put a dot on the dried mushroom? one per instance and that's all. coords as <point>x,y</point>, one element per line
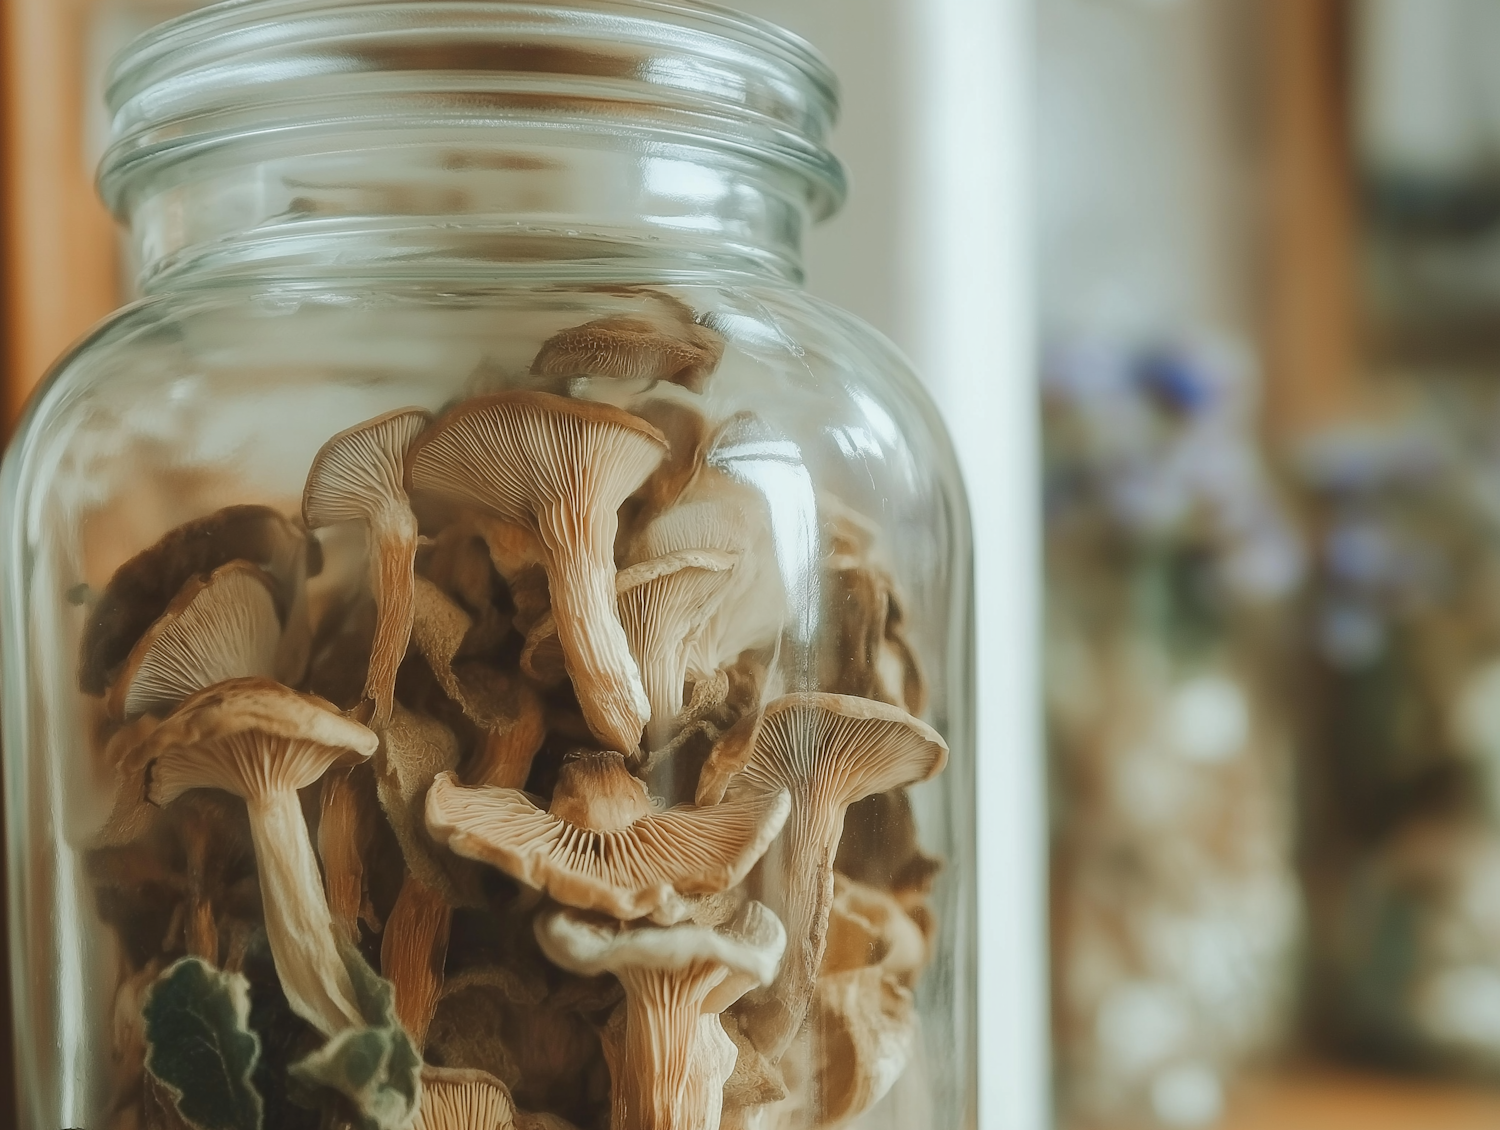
<point>357,477</point>
<point>506,710</point>
<point>880,848</point>
<point>584,636</point>
<point>346,829</point>
<point>600,845</point>
<point>219,627</point>
<point>559,469</point>
<point>727,517</point>
<point>829,751</point>
<point>634,347</point>
<point>142,588</point>
<point>412,953</point>
<point>864,1024</point>
<point>665,603</point>
<point>674,1055</point>
<point>262,742</point>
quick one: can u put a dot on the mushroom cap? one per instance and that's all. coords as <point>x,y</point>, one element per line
<point>143,587</point>
<point>671,565</point>
<point>210,741</point>
<point>457,1099</point>
<point>638,864</point>
<point>725,520</point>
<point>219,627</point>
<point>561,469</point>
<point>514,453</point>
<point>869,927</point>
<point>866,1024</point>
<point>359,471</point>
<point>633,347</point>
<point>718,513</point>
<point>749,949</point>
<point>848,747</point>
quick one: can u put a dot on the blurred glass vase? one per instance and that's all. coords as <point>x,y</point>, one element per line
<point>1170,564</point>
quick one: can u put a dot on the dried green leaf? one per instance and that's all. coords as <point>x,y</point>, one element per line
<point>200,1047</point>
<point>375,1070</point>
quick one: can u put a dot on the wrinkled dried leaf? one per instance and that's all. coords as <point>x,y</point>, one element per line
<point>200,1048</point>
<point>374,1071</point>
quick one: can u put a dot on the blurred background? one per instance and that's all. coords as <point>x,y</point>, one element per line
<point>1210,290</point>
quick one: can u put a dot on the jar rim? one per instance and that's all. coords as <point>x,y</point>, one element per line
<point>196,78</point>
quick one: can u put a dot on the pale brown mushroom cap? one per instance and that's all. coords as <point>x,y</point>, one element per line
<point>746,952</point>
<point>561,469</point>
<point>601,847</point>
<point>247,737</point>
<point>358,473</point>
<point>633,347</point>
<point>357,476</point>
<point>839,748</point>
<point>865,1021</point>
<point>665,604</point>
<point>219,627</point>
<point>143,587</point>
<point>725,516</point>
<point>868,927</point>
<point>455,1099</point>
<point>506,709</point>
<point>259,740</point>
<point>829,751</point>
<point>669,1064</point>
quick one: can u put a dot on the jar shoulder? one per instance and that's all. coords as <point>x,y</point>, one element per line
<point>819,372</point>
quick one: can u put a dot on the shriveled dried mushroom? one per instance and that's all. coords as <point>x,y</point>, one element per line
<point>560,469</point>
<point>346,827</point>
<point>722,515</point>
<point>357,477</point>
<point>262,742</point>
<point>506,710</point>
<point>674,1060</point>
<point>219,627</point>
<point>665,603</point>
<point>144,586</point>
<point>601,846</point>
<point>635,348</point>
<point>412,952</point>
<point>829,751</point>
<point>464,1100</point>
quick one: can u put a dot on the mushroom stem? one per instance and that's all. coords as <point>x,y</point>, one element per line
<point>655,1087</point>
<point>800,876</point>
<point>299,926</point>
<point>393,549</point>
<point>413,952</point>
<point>581,577</point>
<point>339,845</point>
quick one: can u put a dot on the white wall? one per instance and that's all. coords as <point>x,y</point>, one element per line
<point>1148,167</point>
<point>935,250</point>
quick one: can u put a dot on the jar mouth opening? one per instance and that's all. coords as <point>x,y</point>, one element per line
<point>242,67</point>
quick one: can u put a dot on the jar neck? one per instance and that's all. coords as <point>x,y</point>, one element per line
<point>507,202</point>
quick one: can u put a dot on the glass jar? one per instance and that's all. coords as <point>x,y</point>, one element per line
<point>477,635</point>
<point>1402,671</point>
